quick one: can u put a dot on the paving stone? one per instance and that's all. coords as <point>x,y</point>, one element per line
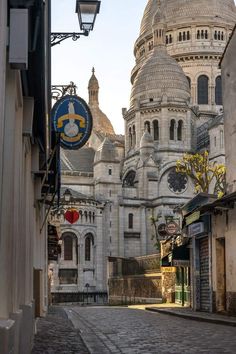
<point>56,334</point>
<point>131,331</point>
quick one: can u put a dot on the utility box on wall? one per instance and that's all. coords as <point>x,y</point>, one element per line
<point>19,39</point>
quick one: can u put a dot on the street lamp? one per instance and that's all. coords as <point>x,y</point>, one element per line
<point>67,195</point>
<point>87,11</point>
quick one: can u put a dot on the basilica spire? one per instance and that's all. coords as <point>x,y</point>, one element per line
<point>93,88</point>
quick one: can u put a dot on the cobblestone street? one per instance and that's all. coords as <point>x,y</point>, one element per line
<point>129,331</point>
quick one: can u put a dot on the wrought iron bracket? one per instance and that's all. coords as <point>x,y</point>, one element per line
<point>58,37</point>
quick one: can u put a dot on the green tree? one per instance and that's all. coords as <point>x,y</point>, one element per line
<point>203,172</point>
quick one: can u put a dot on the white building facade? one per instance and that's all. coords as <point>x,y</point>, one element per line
<point>175,107</point>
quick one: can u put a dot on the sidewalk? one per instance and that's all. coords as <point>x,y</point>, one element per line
<point>188,313</point>
<point>56,334</point>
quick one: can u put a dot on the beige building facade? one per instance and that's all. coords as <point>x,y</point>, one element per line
<point>24,150</point>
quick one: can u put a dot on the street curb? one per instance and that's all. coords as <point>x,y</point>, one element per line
<point>193,317</point>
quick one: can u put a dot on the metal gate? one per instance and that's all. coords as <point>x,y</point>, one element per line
<point>204,274</point>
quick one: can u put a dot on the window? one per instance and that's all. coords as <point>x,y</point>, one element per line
<point>189,81</point>
<point>130,137</point>
<point>170,38</point>
<point>131,220</point>
<point>86,216</point>
<point>172,129</point>
<point>215,141</point>
<point>129,179</point>
<point>184,36</point>
<point>134,135</point>
<point>88,245</point>
<point>180,130</point>
<point>202,89</point>
<point>180,36</point>
<point>198,34</point>
<point>68,248</point>
<point>110,171</point>
<point>215,35</point>
<point>147,126</point>
<point>155,130</point>
<point>188,35</point>
<point>206,34</point>
<point>167,39</point>
<point>218,91</point>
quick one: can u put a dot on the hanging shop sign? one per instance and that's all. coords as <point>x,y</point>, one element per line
<point>71,215</point>
<point>172,228</point>
<point>72,118</point>
<point>192,217</point>
<point>195,229</point>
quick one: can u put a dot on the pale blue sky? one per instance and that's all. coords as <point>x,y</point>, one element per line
<point>109,48</point>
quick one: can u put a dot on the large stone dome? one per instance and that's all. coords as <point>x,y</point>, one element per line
<point>184,11</point>
<point>160,76</point>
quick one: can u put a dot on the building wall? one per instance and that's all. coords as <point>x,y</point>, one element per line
<point>229,91</point>
<point>23,248</point>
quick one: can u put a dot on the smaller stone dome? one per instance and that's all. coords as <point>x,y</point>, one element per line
<point>160,76</point>
<point>106,152</point>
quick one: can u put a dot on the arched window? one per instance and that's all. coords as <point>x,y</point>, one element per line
<point>184,36</point>
<point>86,216</point>
<point>130,137</point>
<point>202,89</point>
<point>218,91</point>
<point>180,36</point>
<point>88,246</point>
<point>172,129</point>
<point>202,34</point>
<point>68,248</point>
<point>188,35</point>
<point>90,216</point>
<point>215,35</point>
<point>198,34</point>
<point>167,39</point>
<point>219,35</point>
<point>170,38</point>
<point>180,130</point>
<point>147,126</point>
<point>80,215</point>
<point>189,81</point>
<point>129,179</point>
<point>222,36</point>
<point>155,130</point>
<point>134,135</point>
<point>131,221</point>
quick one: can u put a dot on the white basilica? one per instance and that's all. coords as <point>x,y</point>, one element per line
<point>118,182</point>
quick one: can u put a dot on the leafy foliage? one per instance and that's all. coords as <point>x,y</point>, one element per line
<point>203,173</point>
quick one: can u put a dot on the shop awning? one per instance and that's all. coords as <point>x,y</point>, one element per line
<point>179,257</point>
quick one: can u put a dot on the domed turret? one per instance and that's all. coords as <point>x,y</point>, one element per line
<point>100,121</point>
<point>160,75</point>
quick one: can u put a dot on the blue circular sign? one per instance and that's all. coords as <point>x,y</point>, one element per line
<point>72,118</point>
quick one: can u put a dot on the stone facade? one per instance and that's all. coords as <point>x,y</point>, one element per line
<point>175,107</point>
<point>136,280</point>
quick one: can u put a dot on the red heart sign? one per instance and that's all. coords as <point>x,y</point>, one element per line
<point>71,215</point>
